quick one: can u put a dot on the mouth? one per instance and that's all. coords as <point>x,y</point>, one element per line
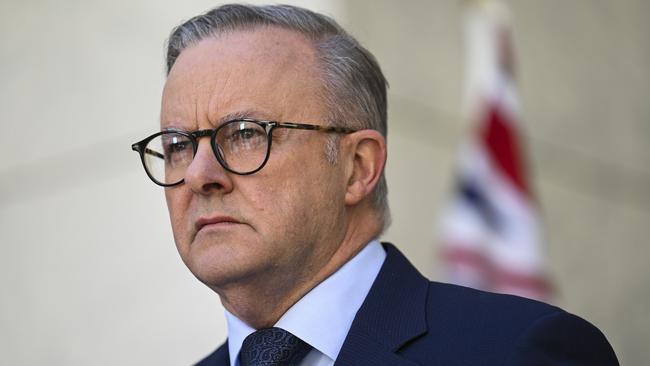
<point>214,222</point>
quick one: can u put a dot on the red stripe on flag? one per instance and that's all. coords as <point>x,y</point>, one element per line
<point>537,283</point>
<point>502,144</point>
<point>495,277</point>
<point>472,258</point>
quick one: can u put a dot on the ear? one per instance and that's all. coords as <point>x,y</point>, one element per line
<point>367,150</point>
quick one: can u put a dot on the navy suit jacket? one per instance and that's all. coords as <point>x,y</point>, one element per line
<point>406,320</point>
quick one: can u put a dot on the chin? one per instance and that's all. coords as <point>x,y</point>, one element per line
<point>221,264</point>
<point>215,273</point>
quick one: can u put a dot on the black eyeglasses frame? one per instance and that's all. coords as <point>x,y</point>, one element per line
<point>268,126</point>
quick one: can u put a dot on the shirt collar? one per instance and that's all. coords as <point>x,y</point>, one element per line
<point>323,317</point>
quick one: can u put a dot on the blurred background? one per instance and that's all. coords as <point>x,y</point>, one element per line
<point>88,270</point>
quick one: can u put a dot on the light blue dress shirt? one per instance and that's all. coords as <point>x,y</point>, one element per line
<point>323,317</point>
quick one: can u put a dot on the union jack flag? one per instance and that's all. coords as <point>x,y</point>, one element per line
<point>491,230</point>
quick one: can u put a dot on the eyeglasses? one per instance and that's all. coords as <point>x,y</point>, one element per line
<point>241,146</point>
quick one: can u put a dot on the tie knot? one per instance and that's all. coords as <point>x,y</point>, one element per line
<point>272,347</point>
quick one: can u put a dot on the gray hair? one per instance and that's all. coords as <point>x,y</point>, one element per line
<point>355,88</point>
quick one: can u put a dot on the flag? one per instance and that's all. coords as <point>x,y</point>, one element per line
<point>490,232</point>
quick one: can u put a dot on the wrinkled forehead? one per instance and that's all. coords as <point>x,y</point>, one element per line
<point>265,65</point>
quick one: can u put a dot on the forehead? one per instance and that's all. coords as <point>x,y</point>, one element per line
<point>266,69</point>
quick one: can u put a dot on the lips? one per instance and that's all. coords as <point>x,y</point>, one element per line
<point>214,220</point>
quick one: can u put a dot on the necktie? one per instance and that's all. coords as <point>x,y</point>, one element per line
<point>272,347</point>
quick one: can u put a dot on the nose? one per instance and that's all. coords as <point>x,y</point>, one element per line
<point>205,175</point>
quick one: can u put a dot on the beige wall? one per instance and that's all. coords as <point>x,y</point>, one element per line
<point>89,273</point>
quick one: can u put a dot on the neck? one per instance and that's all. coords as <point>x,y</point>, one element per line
<point>261,301</point>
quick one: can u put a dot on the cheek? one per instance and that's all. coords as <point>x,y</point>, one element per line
<point>177,206</point>
<point>294,205</point>
<point>273,205</point>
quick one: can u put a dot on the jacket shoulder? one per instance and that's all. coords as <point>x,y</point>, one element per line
<point>493,329</point>
<point>458,304</point>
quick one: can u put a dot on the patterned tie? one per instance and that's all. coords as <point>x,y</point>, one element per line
<point>272,347</point>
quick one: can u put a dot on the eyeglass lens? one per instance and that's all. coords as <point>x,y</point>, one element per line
<point>167,156</point>
<point>241,147</point>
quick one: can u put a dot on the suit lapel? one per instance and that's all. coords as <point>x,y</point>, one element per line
<point>392,314</point>
<point>362,350</point>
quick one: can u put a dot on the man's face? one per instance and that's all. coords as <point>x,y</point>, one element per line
<point>283,222</point>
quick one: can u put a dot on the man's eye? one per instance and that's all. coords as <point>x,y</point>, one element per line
<point>245,134</point>
<point>178,147</point>
<point>176,144</point>
<point>175,148</point>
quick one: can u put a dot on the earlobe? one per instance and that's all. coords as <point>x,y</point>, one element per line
<point>368,152</point>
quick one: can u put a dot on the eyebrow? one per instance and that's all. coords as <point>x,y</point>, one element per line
<point>244,113</point>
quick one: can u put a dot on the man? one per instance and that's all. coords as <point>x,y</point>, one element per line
<point>272,151</point>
